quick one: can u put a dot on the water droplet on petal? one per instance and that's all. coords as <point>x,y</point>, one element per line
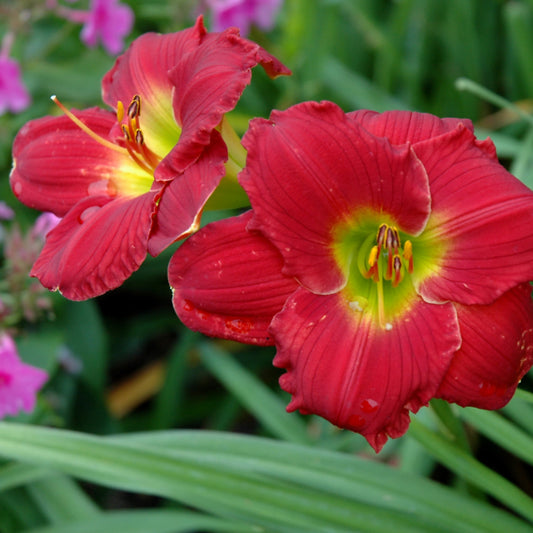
<point>356,421</point>
<point>239,326</point>
<point>102,188</point>
<point>87,213</point>
<point>369,406</point>
<point>17,188</point>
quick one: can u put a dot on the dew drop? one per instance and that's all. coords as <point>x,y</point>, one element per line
<point>17,188</point>
<point>355,306</point>
<point>369,406</point>
<point>87,213</point>
<point>356,421</point>
<point>239,326</point>
<point>101,188</point>
<point>487,389</point>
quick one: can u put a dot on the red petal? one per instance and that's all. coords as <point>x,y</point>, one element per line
<point>227,282</point>
<point>357,375</point>
<point>56,163</point>
<point>96,246</point>
<point>496,352</point>
<point>310,169</point>
<point>482,215</point>
<point>401,127</point>
<point>208,83</point>
<point>181,203</point>
<point>143,68</point>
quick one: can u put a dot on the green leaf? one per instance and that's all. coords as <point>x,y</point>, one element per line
<point>16,474</point>
<point>468,468</point>
<point>501,431</point>
<point>61,500</point>
<point>276,485</point>
<point>151,521</point>
<point>254,395</point>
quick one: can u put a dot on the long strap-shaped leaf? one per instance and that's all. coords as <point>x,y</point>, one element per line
<point>280,486</point>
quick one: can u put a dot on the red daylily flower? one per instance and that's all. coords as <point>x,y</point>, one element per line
<point>387,258</point>
<point>135,179</point>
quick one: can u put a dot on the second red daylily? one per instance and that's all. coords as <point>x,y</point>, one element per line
<point>386,257</point>
<point>136,179</point>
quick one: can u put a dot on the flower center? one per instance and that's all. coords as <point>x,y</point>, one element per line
<point>132,143</point>
<point>5,379</point>
<point>387,261</point>
<point>133,139</point>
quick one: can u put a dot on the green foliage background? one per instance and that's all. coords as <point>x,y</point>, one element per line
<point>163,430</point>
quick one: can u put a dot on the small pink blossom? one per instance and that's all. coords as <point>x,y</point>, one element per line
<point>44,223</point>
<point>108,21</point>
<point>13,94</point>
<point>19,382</point>
<point>243,13</point>
<point>6,213</point>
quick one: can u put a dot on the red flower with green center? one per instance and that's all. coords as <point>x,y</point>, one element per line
<point>387,258</point>
<point>136,179</point>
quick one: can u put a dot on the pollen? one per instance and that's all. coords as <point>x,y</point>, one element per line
<point>133,138</point>
<point>388,261</point>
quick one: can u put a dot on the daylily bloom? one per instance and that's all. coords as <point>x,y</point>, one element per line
<point>136,179</point>
<point>243,13</point>
<point>386,256</point>
<point>19,382</point>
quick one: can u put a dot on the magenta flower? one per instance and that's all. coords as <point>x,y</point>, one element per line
<point>19,382</point>
<point>387,257</point>
<point>109,21</point>
<point>243,13</point>
<point>6,213</point>
<point>45,223</point>
<point>13,94</point>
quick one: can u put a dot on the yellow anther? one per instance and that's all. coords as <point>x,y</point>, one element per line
<point>373,256</point>
<point>408,256</point>
<point>120,111</point>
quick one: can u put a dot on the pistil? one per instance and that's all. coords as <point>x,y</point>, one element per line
<point>388,261</point>
<point>132,143</point>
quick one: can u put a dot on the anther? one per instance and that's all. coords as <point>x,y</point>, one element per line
<point>120,111</point>
<point>382,233</point>
<point>134,109</point>
<point>408,256</point>
<point>397,267</point>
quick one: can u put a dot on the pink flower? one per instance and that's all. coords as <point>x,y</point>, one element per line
<point>6,213</point>
<point>243,13</point>
<point>45,223</point>
<point>108,21</point>
<point>19,382</point>
<point>13,94</point>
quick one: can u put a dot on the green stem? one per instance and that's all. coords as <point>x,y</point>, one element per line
<point>464,84</point>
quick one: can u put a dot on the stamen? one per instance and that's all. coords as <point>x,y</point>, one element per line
<point>382,232</point>
<point>408,256</point>
<point>397,266</point>
<point>134,109</point>
<point>86,129</point>
<point>120,111</point>
<point>374,254</point>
